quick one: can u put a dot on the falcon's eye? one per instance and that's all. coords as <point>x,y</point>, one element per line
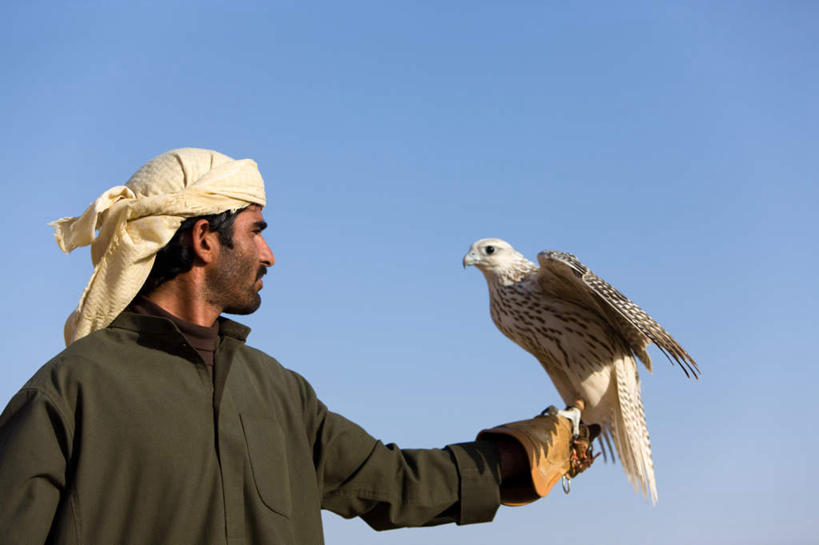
<point>490,250</point>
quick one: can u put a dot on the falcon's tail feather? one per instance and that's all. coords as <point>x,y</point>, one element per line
<point>605,445</point>
<point>628,428</point>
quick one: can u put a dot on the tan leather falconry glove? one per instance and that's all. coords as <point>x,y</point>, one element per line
<point>552,451</point>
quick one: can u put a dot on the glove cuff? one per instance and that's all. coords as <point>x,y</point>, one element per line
<point>546,440</point>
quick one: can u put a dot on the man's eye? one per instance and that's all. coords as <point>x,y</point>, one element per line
<point>490,250</point>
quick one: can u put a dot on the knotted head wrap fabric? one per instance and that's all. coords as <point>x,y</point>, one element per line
<point>128,224</point>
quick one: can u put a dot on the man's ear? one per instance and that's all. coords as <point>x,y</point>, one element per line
<point>205,243</point>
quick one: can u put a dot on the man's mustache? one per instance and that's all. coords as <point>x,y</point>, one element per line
<point>261,273</point>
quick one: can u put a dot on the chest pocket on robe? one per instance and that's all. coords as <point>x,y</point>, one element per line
<point>268,460</point>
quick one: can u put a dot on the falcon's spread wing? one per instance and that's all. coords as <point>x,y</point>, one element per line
<point>560,271</point>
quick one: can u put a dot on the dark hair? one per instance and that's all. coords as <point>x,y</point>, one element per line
<point>176,257</point>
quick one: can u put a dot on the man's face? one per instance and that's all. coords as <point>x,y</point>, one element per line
<point>235,279</point>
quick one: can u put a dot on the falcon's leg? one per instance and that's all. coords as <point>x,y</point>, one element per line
<point>572,413</point>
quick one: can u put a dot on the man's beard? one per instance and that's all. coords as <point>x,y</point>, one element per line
<point>229,285</point>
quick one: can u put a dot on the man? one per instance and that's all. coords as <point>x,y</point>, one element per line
<point>158,424</point>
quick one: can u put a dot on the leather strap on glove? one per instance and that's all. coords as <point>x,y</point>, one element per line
<point>551,450</point>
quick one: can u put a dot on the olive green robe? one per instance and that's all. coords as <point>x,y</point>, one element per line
<point>123,438</point>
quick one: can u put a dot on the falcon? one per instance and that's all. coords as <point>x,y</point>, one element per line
<point>586,335</point>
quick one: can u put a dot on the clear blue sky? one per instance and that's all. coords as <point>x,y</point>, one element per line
<point>672,148</point>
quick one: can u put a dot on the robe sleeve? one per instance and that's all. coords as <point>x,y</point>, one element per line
<point>34,443</point>
<point>389,487</point>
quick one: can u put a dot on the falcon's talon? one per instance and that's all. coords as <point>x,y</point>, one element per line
<point>551,410</point>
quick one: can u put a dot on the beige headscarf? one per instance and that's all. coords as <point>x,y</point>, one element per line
<point>136,220</point>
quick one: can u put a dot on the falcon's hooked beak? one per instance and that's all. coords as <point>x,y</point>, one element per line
<point>471,258</point>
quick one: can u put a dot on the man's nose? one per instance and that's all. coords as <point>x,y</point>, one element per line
<point>267,258</point>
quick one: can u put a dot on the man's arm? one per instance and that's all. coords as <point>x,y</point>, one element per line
<point>464,483</point>
<point>34,442</point>
<point>390,487</point>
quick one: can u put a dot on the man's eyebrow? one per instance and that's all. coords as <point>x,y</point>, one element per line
<point>260,225</point>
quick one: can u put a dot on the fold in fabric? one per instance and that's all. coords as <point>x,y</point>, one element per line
<point>127,225</point>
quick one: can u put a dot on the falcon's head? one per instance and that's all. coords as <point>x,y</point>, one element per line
<point>495,257</point>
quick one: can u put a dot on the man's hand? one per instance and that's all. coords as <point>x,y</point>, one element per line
<point>536,453</point>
